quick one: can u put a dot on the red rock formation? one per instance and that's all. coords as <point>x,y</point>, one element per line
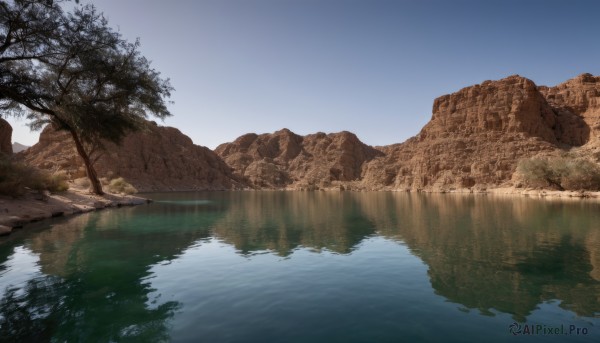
<point>284,159</point>
<point>5,137</point>
<point>577,105</point>
<point>475,139</point>
<point>158,159</point>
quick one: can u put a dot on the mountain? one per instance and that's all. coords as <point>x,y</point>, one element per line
<point>156,159</point>
<point>18,147</point>
<point>473,141</point>
<point>284,159</point>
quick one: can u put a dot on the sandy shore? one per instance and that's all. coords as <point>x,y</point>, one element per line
<point>33,207</point>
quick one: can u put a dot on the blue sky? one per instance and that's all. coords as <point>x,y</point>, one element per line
<point>370,67</point>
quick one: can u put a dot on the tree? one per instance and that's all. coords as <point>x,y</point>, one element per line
<point>85,79</point>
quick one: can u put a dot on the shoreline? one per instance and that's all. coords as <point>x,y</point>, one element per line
<point>16,213</point>
<point>35,207</point>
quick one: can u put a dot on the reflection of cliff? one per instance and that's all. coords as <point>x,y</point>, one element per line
<point>486,253</point>
<point>282,221</point>
<point>96,268</point>
<point>507,254</point>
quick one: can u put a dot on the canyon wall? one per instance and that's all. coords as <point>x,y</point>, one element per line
<point>474,141</point>
<point>156,159</point>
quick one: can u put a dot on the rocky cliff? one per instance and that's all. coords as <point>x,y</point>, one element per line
<point>286,160</point>
<point>5,137</point>
<point>474,140</point>
<point>156,159</point>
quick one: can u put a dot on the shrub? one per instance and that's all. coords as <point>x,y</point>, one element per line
<point>57,182</point>
<point>16,178</point>
<point>564,173</point>
<point>119,185</point>
<point>82,182</point>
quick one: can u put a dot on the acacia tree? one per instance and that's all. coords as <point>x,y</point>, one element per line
<point>88,81</point>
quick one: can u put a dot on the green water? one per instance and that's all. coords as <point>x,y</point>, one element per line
<point>307,267</point>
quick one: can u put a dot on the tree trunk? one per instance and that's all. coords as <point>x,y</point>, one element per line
<point>89,168</point>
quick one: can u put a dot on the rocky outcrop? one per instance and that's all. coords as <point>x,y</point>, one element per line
<point>474,141</point>
<point>156,159</point>
<point>286,160</point>
<point>576,103</point>
<point>5,137</point>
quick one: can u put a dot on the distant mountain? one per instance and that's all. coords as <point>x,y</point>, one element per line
<point>18,147</point>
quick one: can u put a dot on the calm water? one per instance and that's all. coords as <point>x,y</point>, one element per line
<point>307,267</point>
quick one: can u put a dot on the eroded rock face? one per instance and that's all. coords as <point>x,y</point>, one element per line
<point>5,137</point>
<point>158,159</point>
<point>577,105</point>
<point>284,159</point>
<point>474,140</point>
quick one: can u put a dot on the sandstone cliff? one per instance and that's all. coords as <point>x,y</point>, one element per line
<point>286,160</point>
<point>474,140</point>
<point>5,137</point>
<point>157,159</point>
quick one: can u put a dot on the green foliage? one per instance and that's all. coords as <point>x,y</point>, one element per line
<point>82,182</point>
<point>74,71</point>
<point>56,182</point>
<point>563,173</point>
<point>119,185</point>
<point>16,178</point>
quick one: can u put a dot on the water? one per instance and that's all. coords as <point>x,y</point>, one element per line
<point>308,267</point>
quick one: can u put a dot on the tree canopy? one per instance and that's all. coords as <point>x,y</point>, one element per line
<point>74,71</point>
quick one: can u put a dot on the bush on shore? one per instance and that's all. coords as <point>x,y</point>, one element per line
<point>17,178</point>
<point>119,185</point>
<point>563,173</point>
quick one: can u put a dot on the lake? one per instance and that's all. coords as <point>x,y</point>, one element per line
<point>308,267</point>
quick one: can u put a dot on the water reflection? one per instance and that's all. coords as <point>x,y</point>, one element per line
<point>284,221</point>
<point>487,254</point>
<point>506,254</point>
<point>95,277</point>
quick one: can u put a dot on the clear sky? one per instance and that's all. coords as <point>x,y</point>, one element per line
<point>370,67</point>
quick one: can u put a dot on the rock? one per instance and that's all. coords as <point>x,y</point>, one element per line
<point>577,105</point>
<point>475,138</point>
<point>5,137</point>
<point>473,141</point>
<point>5,230</point>
<point>284,159</point>
<point>158,159</point>
<point>13,222</point>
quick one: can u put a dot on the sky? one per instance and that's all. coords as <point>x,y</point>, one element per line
<point>371,67</point>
